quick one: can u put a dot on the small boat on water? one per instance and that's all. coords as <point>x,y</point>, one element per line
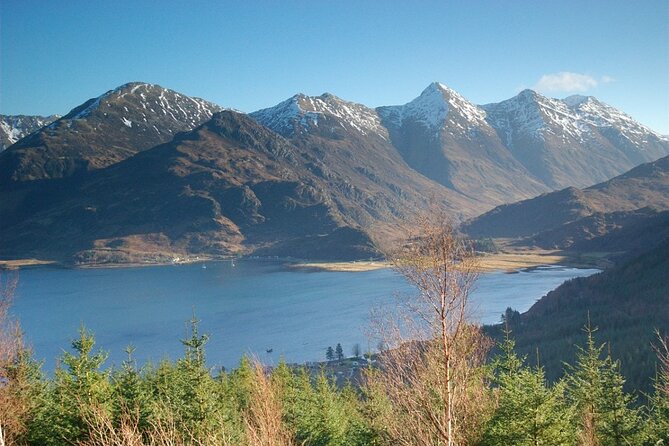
<point>204,266</point>
<point>269,350</point>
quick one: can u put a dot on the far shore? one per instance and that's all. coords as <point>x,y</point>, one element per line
<point>508,261</point>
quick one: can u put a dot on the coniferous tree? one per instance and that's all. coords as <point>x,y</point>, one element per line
<point>604,411</point>
<point>339,351</point>
<point>21,393</point>
<point>329,354</point>
<point>529,412</point>
<point>130,394</point>
<point>657,427</point>
<point>77,390</point>
<point>356,350</point>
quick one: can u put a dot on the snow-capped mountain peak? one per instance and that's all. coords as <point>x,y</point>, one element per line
<point>145,102</point>
<point>300,112</point>
<point>598,114</point>
<point>436,106</point>
<point>573,118</point>
<point>535,115</point>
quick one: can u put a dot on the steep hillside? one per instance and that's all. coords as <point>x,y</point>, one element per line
<point>345,145</point>
<point>313,171</point>
<point>229,187</point>
<point>613,232</point>
<point>101,132</point>
<point>627,303</point>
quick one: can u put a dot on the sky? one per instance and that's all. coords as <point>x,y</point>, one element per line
<point>249,55</point>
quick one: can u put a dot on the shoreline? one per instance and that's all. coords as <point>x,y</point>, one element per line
<point>505,261</point>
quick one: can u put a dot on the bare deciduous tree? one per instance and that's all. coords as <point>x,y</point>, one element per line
<point>432,374</point>
<point>14,407</point>
<point>264,419</point>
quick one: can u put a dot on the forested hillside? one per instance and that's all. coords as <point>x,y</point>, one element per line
<point>627,303</point>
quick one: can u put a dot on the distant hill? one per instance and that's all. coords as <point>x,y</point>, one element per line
<point>346,145</point>
<point>448,139</point>
<point>614,232</point>
<point>626,303</point>
<point>15,127</point>
<point>552,220</point>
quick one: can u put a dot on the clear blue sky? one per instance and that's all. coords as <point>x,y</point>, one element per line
<point>253,54</point>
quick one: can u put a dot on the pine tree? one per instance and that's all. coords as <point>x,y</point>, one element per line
<point>21,391</point>
<point>339,351</point>
<point>529,412</point>
<point>195,345</point>
<point>657,427</point>
<point>77,389</point>
<point>329,354</point>
<point>603,409</point>
<point>130,396</point>
<point>356,350</point>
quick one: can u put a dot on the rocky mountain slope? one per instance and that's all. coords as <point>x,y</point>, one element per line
<point>101,132</point>
<point>15,127</point>
<point>447,138</point>
<point>574,142</point>
<point>228,187</point>
<point>346,145</point>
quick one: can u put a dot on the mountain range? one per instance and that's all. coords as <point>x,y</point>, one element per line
<point>143,173</point>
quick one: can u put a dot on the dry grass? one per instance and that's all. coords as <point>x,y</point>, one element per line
<point>348,267</point>
<point>512,261</point>
<point>13,405</point>
<point>103,430</point>
<point>20,263</point>
<point>264,417</point>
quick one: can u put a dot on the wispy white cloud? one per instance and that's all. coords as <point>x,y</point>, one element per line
<point>567,82</point>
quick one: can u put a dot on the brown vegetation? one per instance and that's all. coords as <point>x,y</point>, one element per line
<point>432,377</point>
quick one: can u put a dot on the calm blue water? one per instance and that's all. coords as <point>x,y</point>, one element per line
<point>245,309</point>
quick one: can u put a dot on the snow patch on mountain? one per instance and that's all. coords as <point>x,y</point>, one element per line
<point>300,112</point>
<point>436,107</point>
<point>534,115</point>
<point>151,99</point>
<point>572,119</point>
<point>15,127</point>
<point>599,114</point>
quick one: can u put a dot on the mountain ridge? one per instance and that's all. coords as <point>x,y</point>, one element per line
<point>102,131</point>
